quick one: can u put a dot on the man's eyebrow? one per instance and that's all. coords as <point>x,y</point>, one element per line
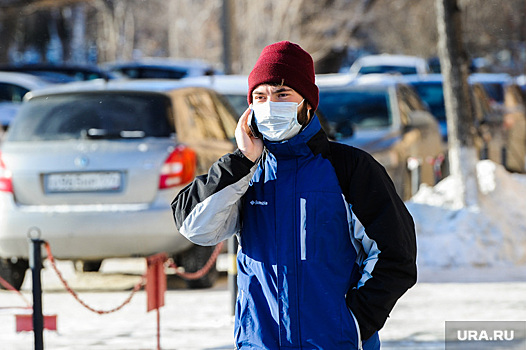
<point>282,89</point>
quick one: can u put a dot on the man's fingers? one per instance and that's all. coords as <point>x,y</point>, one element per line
<point>243,122</point>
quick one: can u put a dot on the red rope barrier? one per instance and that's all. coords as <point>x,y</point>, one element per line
<point>186,275</point>
<point>136,288</point>
<point>8,286</point>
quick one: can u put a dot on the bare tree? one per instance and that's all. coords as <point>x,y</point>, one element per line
<point>460,122</point>
<point>494,29</point>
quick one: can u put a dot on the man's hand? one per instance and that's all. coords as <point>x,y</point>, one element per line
<point>251,146</point>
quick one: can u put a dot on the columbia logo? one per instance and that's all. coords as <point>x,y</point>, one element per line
<point>258,203</point>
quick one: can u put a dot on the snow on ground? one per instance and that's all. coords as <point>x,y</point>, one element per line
<point>472,266</point>
<point>491,234</point>
<point>201,319</point>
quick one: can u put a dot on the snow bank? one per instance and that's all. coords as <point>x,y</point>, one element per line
<point>491,234</point>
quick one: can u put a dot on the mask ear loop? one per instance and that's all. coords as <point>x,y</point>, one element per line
<point>308,120</point>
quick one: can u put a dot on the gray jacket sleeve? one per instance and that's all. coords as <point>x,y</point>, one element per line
<point>207,211</point>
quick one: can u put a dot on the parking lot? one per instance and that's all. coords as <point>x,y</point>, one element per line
<point>201,319</point>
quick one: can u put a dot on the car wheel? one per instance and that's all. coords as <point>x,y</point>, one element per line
<point>193,260</point>
<point>88,266</point>
<point>13,271</point>
<point>91,266</point>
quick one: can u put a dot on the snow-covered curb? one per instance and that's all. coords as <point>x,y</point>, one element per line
<point>491,234</point>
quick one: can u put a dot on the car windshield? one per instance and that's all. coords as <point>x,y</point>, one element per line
<point>345,111</point>
<point>380,69</point>
<point>92,115</point>
<point>153,73</point>
<point>433,95</point>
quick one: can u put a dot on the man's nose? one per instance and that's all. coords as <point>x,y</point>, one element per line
<point>272,98</point>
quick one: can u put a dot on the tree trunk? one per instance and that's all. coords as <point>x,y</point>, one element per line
<point>227,28</point>
<point>460,120</point>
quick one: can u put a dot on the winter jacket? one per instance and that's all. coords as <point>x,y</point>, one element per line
<point>326,245</point>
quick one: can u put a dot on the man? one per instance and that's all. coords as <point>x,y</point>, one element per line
<point>327,246</point>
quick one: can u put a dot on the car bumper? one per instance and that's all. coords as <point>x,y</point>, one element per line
<point>90,231</point>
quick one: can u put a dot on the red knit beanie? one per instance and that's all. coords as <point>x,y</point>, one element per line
<point>287,63</point>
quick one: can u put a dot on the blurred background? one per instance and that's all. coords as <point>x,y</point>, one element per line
<point>229,34</point>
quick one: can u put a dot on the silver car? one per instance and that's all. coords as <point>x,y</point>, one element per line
<point>94,166</point>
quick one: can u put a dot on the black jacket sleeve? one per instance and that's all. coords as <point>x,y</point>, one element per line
<point>367,186</point>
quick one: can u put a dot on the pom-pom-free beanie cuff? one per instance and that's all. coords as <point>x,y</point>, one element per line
<point>288,64</point>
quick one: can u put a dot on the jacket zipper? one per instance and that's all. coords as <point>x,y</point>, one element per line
<point>303,229</point>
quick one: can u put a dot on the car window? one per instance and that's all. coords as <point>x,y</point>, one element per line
<point>414,102</point>
<point>11,93</point>
<point>433,95</point>
<point>238,102</point>
<point>346,110</point>
<point>95,115</point>
<point>152,73</point>
<point>227,115</point>
<point>387,69</point>
<point>53,77</point>
<point>201,118</point>
<point>495,91</point>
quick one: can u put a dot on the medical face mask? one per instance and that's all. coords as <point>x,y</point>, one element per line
<point>277,121</point>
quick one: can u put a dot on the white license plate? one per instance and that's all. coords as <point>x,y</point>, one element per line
<point>83,182</point>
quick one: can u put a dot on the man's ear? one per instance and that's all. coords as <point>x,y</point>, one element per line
<point>309,112</point>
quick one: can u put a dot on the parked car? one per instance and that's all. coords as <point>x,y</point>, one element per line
<point>387,119</point>
<point>95,165</point>
<point>62,73</point>
<point>507,99</point>
<point>489,138</point>
<point>233,87</point>
<point>429,88</point>
<point>13,87</point>
<point>493,83</point>
<point>382,64</point>
<point>161,68</point>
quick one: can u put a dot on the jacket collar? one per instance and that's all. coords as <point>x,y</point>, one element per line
<point>299,145</point>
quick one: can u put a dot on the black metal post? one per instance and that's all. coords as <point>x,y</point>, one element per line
<point>232,271</point>
<point>38,318</point>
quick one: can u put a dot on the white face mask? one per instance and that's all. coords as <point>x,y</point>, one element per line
<point>277,121</point>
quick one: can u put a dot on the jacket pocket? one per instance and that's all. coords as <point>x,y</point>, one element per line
<point>350,329</point>
<point>359,337</point>
<point>323,231</point>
